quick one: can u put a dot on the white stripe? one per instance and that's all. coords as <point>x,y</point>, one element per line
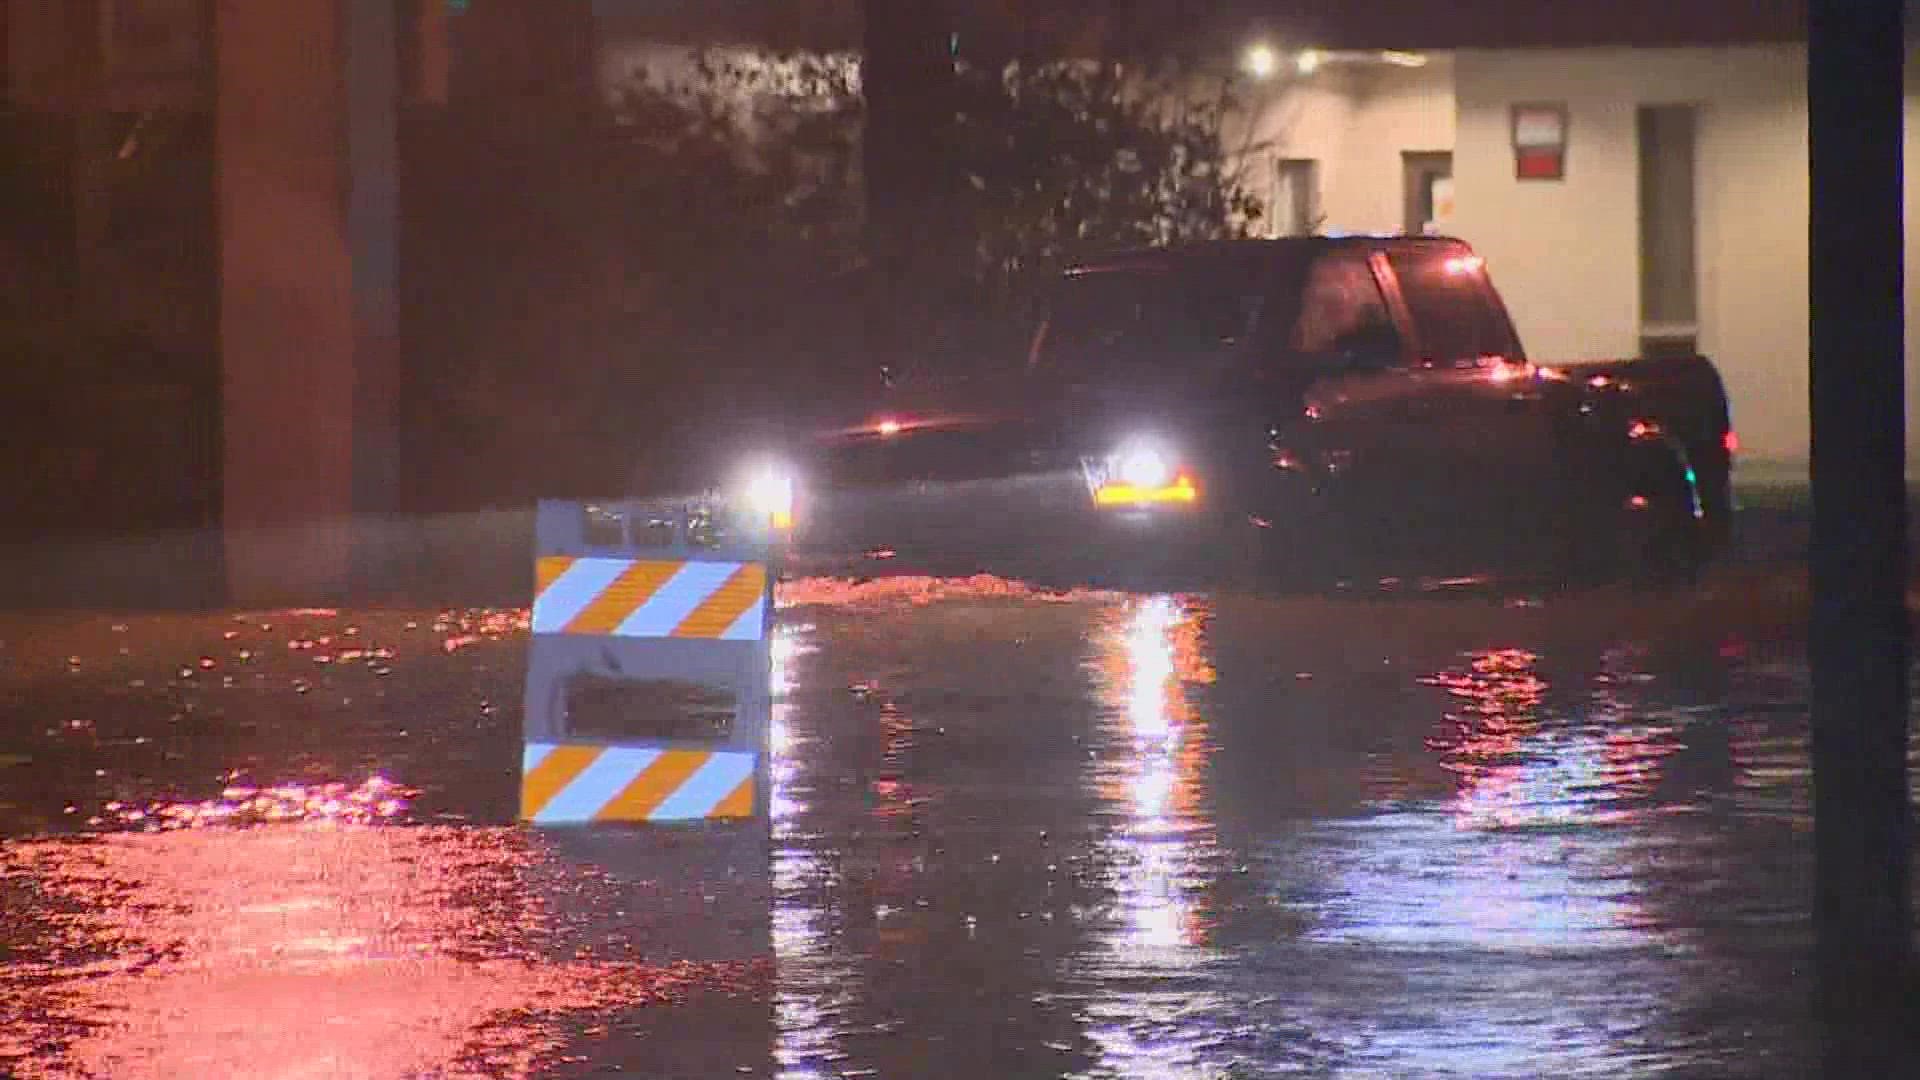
<point>751,625</point>
<point>533,756</point>
<point>597,784</point>
<point>561,602</point>
<point>687,589</point>
<point>700,793</point>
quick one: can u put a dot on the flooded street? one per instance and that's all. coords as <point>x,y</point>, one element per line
<point>1017,833</point>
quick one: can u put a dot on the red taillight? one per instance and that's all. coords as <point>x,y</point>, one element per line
<point>1731,441</point>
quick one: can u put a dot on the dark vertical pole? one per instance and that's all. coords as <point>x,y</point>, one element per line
<point>1859,637</point>
<point>907,86</point>
<point>906,78</point>
<point>372,76</point>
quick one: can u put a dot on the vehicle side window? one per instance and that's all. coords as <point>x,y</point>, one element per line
<point>1454,312</point>
<point>1340,304</point>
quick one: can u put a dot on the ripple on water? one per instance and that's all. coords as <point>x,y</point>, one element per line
<point>1529,865</point>
<point>315,948</point>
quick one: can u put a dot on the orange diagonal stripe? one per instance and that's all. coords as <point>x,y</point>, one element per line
<point>547,570</point>
<point>651,787</point>
<point>554,773</point>
<point>745,588</point>
<point>738,803</point>
<point>631,589</point>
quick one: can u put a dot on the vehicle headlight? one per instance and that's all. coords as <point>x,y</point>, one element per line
<point>768,490</point>
<point>1143,465</point>
<point>1144,472</point>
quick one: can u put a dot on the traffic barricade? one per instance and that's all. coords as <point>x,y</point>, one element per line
<point>646,771</point>
<point>649,675</point>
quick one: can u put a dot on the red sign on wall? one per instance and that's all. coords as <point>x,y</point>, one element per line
<point>1539,142</point>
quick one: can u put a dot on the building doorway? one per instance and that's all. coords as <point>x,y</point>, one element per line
<point>1296,197</point>
<point>1428,184</point>
<point>1669,231</point>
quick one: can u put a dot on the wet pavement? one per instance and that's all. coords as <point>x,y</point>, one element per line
<point>1019,833</point>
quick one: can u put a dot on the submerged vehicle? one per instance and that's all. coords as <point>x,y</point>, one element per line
<point>1314,405</point>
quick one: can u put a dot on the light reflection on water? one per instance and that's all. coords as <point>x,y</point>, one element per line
<point>1136,840</point>
<point>293,951</point>
<point>1160,844</point>
<point>1526,862</point>
<point>372,800</point>
<point>803,1034</point>
<point>1151,666</point>
<point>1575,905</point>
<point>1498,926</point>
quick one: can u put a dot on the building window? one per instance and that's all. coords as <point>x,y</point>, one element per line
<point>1669,291</point>
<point>1296,197</point>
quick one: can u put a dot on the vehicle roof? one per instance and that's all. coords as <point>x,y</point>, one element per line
<point>1288,248</point>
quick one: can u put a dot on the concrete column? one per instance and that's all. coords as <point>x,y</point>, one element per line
<point>307,191</point>
<point>906,78</point>
<point>1859,639</point>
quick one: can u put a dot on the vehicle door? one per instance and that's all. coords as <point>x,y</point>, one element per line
<point>1481,410</point>
<point>1355,433</point>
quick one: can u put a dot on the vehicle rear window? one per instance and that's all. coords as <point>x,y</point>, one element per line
<point>1456,315</point>
<point>1100,319</point>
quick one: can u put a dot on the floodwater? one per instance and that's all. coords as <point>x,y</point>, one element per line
<point>1017,834</point>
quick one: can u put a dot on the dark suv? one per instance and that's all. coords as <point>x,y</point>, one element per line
<point>1327,399</point>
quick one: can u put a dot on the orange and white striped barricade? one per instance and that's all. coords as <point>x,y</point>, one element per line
<point>649,676</point>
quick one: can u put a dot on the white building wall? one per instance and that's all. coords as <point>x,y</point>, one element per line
<point>1397,110</point>
<point>1308,119</point>
<point>1355,122</point>
<point>1566,253</point>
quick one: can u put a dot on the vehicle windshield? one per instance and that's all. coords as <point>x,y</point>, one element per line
<point>1159,317</point>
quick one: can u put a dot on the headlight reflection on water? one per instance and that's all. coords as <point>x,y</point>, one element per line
<point>804,1033</point>
<point>1145,666</point>
<point>1167,827</point>
<point>1160,840</point>
<point>791,641</point>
